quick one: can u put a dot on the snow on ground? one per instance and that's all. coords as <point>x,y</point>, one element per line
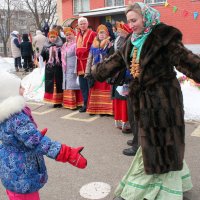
<point>32,82</point>
<point>34,89</point>
<point>7,64</point>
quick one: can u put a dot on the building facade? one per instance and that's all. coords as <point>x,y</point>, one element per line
<point>182,14</point>
<point>21,21</point>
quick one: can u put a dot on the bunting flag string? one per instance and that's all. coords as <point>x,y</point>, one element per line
<point>185,13</point>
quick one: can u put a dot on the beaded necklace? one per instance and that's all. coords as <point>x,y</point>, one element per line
<point>135,67</point>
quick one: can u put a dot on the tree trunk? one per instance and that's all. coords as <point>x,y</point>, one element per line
<point>5,49</point>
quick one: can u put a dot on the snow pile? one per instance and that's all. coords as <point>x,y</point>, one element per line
<point>191,99</point>
<point>33,84</point>
<point>7,64</point>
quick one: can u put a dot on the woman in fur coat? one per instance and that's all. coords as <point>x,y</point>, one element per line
<point>22,167</point>
<point>51,54</point>
<point>150,53</point>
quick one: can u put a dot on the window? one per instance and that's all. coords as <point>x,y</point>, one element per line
<point>154,1</point>
<point>109,3</point>
<point>81,6</point>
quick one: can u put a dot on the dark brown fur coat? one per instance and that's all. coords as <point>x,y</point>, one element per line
<point>156,95</point>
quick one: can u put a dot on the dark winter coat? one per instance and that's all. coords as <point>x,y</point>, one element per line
<point>26,47</point>
<point>156,95</point>
<point>53,71</point>
<point>119,41</point>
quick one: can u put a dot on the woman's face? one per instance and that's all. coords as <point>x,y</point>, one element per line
<point>135,22</point>
<point>52,38</point>
<point>102,35</point>
<point>69,36</point>
<point>121,34</point>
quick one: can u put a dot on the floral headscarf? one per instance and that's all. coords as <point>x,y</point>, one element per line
<point>151,18</point>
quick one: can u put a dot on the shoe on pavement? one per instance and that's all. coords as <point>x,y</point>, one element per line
<point>130,142</point>
<point>57,105</point>
<point>130,151</point>
<point>83,109</point>
<point>126,131</point>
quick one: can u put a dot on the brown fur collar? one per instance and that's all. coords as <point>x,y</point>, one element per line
<point>100,44</point>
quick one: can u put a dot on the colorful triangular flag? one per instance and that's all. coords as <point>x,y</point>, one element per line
<point>185,13</point>
<point>195,14</point>
<point>175,9</point>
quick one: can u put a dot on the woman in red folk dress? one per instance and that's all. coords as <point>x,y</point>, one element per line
<point>99,100</point>
<point>120,101</point>
<point>72,97</point>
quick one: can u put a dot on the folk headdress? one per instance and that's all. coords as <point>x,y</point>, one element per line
<point>121,26</point>
<point>101,44</point>
<point>69,30</point>
<point>53,32</point>
<point>151,18</point>
<point>102,28</point>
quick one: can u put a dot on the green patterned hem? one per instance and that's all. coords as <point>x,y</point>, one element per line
<point>186,176</point>
<point>152,186</point>
<point>137,185</point>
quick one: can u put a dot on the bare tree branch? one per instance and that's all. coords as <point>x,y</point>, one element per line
<point>7,10</point>
<point>42,10</point>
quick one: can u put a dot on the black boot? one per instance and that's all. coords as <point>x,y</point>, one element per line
<point>82,109</point>
<point>57,105</point>
<point>130,151</point>
<point>130,142</point>
<point>126,131</point>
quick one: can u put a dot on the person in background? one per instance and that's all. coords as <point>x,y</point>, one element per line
<point>110,30</point>
<point>115,31</point>
<point>51,54</point>
<point>45,28</point>
<point>84,41</point>
<point>99,100</point>
<point>119,101</point>
<point>27,53</point>
<point>22,168</point>
<point>123,30</point>
<point>72,97</point>
<point>15,49</point>
<point>38,42</point>
<point>61,34</point>
<point>151,54</point>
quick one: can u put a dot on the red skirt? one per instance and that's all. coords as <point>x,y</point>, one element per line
<point>99,100</point>
<point>53,98</point>
<point>120,110</point>
<point>72,99</point>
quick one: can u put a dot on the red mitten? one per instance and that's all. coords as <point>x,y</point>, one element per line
<point>43,131</point>
<point>72,155</point>
<point>76,159</point>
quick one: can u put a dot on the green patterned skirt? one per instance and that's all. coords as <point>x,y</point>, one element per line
<point>136,185</point>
